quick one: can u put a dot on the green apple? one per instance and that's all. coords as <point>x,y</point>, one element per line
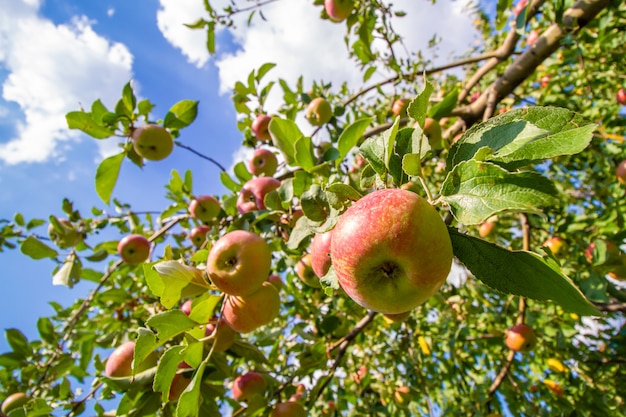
<point>248,386</point>
<point>245,314</point>
<point>338,10</point>
<point>375,247</point>
<point>134,249</point>
<point>119,363</point>
<point>205,208</point>
<point>319,112</point>
<point>63,233</point>
<point>260,127</point>
<point>288,409</point>
<point>520,338</point>
<point>263,162</point>
<point>253,193</point>
<point>320,253</point>
<point>13,402</point>
<point>198,235</point>
<point>305,272</point>
<point>152,142</point>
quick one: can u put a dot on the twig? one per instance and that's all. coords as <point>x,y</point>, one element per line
<point>208,158</point>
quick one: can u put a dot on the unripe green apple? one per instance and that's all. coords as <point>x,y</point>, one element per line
<point>245,314</point>
<point>248,386</point>
<point>319,112</point>
<point>620,172</point>
<point>119,363</point>
<point>374,247</point>
<point>198,235</point>
<point>152,142</point>
<point>305,272</point>
<point>239,262</point>
<point>432,129</point>
<point>288,409</point>
<point>263,162</point>
<point>205,208</point>
<point>223,338</point>
<point>134,249</point>
<point>13,402</point>
<point>64,235</point>
<point>338,10</point>
<point>320,253</point>
<point>252,195</point>
<point>260,127</point>
<point>520,338</point>
<point>399,107</point>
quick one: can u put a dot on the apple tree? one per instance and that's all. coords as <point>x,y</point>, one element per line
<point>439,245</point>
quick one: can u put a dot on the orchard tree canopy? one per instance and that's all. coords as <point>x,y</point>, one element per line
<point>447,242</point>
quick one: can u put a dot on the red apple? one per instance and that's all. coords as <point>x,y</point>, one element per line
<point>260,127</point>
<point>620,172</point>
<point>253,193</point>
<point>375,247</point>
<point>13,402</point>
<point>399,107</point>
<point>288,409</point>
<point>338,10</point>
<point>134,249</point>
<point>198,235</point>
<point>119,363</point>
<point>249,385</point>
<point>205,208</point>
<point>612,252</point>
<point>487,229</point>
<point>263,162</point>
<point>239,262</point>
<point>186,307</point>
<point>304,271</point>
<point>224,338</point>
<point>152,142</point>
<point>318,112</point>
<point>520,338</point>
<point>64,234</point>
<point>245,314</point>
<point>320,253</point>
<point>621,96</point>
<point>519,7</point>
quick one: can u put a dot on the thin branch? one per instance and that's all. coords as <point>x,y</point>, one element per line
<point>208,158</point>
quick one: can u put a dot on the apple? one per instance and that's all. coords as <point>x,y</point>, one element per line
<point>620,172</point>
<point>205,208</point>
<point>13,402</point>
<point>533,35</point>
<point>253,193</point>
<point>134,249</point>
<point>554,387</point>
<point>245,314</point>
<point>119,363</point>
<point>545,80</point>
<point>318,112</point>
<point>399,107</point>
<point>320,253</point>
<point>432,129</point>
<point>305,272</point>
<point>397,318</point>
<point>487,229</point>
<point>475,96</point>
<point>186,307</point>
<point>520,338</point>
<point>556,365</point>
<point>276,281</point>
<point>621,96</point>
<point>179,382</point>
<point>198,235</point>
<point>330,408</point>
<point>288,409</point>
<point>263,162</point>
<point>338,10</point>
<point>223,337</point>
<point>612,252</point>
<point>260,127</point>
<point>249,385</point>
<point>64,235</point>
<point>239,262</point>
<point>374,251</point>
<point>519,7</point>
<point>402,395</point>
<point>556,245</point>
<point>152,142</point>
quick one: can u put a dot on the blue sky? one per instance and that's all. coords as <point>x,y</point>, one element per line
<point>58,54</point>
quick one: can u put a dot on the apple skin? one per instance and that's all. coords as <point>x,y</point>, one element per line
<point>276,281</point>
<point>253,192</point>
<point>67,237</point>
<point>245,314</point>
<point>397,318</point>
<point>13,402</point>
<point>620,172</point>
<point>247,386</point>
<point>319,112</point>
<point>621,96</point>
<point>205,208</point>
<point>338,10</point>
<point>288,409</point>
<point>556,245</point>
<point>239,262</point>
<point>320,253</point>
<point>198,235</point>
<point>186,307</point>
<point>374,247</point>
<point>305,272</point>
<point>260,127</point>
<point>399,107</point>
<point>134,249</point>
<point>487,229</point>
<point>520,338</point>
<point>152,142</point>
<point>224,338</point>
<point>119,363</point>
<point>432,129</point>
<point>263,162</point>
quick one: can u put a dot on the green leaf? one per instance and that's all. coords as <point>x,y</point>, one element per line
<point>445,106</point>
<point>338,193</point>
<point>128,98</point>
<point>46,330</point>
<point>241,172</point>
<point>303,153</point>
<point>145,344</point>
<point>520,273</point>
<point>106,176</point>
<point>264,69</point>
<point>181,114</point>
<point>285,134</point>
<point>417,109</point>
<point>314,203</point>
<point>524,136</point>
<point>351,135</point>
<point>69,272</point>
<point>166,369</point>
<point>249,351</point>
<point>36,249</point>
<point>477,190</point>
<point>85,122</point>
<point>18,342</point>
<point>173,277</point>
<point>304,228</point>
<point>170,324</point>
<point>189,402</point>
<point>229,183</point>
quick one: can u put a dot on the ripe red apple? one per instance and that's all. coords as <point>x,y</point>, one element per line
<point>198,235</point>
<point>338,10</point>
<point>239,262</point>
<point>319,112</point>
<point>224,337</point>
<point>432,129</point>
<point>186,307</point>
<point>13,402</point>
<point>374,251</point>
<point>621,96</point>
<point>263,162</point>
<point>249,385</point>
<point>205,208</point>
<point>119,363</point>
<point>65,235</point>
<point>253,193</point>
<point>620,172</point>
<point>399,107</point>
<point>520,338</point>
<point>556,245</point>
<point>260,127</point>
<point>474,96</point>
<point>320,253</point>
<point>288,409</point>
<point>305,272</point>
<point>487,229</point>
<point>152,142</point>
<point>134,249</point>
<point>245,314</point>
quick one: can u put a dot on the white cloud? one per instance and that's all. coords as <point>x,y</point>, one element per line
<point>53,69</point>
<point>171,20</point>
